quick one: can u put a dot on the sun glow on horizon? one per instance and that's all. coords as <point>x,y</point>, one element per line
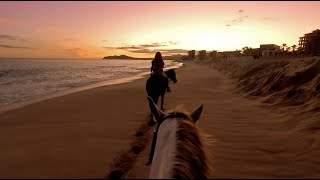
<point>138,29</point>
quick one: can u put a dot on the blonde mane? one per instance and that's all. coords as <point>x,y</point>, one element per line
<point>180,151</point>
<point>191,160</point>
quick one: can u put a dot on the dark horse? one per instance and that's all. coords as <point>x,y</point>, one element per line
<point>157,85</point>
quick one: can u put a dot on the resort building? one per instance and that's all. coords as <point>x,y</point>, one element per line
<point>192,54</point>
<point>310,43</point>
<point>226,54</point>
<point>213,54</point>
<point>269,49</point>
<point>202,54</point>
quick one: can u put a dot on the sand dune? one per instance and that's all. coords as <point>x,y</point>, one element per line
<point>290,88</point>
<point>284,82</point>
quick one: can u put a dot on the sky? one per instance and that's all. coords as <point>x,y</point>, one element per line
<point>83,29</point>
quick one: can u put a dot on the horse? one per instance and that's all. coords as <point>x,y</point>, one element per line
<point>157,85</point>
<point>179,146</point>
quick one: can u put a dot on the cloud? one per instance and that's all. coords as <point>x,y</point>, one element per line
<point>165,51</point>
<point>238,19</point>
<point>141,51</point>
<point>142,46</point>
<point>12,38</point>
<point>174,51</point>
<point>151,48</point>
<point>13,47</point>
<point>173,43</point>
<point>153,45</point>
<point>128,47</point>
<point>146,46</point>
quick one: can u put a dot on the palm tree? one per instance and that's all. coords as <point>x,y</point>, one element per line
<point>288,49</point>
<point>294,48</point>
<point>245,50</point>
<point>284,45</point>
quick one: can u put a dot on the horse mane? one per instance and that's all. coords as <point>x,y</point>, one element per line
<point>191,160</point>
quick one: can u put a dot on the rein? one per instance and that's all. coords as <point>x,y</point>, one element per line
<point>155,133</point>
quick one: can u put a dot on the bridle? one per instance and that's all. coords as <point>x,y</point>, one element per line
<point>155,133</point>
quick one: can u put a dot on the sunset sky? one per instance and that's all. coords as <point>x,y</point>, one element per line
<point>140,28</point>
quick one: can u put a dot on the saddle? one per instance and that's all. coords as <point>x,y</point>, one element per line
<point>161,75</point>
<point>158,74</point>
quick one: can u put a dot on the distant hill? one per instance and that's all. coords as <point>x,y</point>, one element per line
<point>118,57</point>
<point>172,57</point>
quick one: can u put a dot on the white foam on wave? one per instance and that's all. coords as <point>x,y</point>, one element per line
<point>43,97</point>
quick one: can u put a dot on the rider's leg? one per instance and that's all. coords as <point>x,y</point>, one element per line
<point>168,88</point>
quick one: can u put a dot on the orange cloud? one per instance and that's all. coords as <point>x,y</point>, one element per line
<point>150,49</point>
<point>13,47</point>
<point>10,37</point>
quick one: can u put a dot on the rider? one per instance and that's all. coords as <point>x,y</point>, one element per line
<point>157,67</point>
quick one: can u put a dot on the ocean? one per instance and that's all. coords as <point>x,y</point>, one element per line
<point>26,79</point>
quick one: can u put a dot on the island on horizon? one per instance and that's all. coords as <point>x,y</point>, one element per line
<point>124,57</point>
<point>170,57</point>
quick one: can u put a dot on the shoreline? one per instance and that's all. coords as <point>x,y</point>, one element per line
<point>60,93</point>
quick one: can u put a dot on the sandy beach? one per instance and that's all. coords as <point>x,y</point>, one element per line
<point>72,136</point>
<point>79,135</point>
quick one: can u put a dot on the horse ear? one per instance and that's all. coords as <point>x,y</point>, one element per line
<point>158,114</point>
<point>196,114</point>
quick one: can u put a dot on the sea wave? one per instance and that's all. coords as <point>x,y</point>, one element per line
<point>23,80</point>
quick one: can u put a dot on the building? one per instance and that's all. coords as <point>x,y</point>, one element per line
<point>202,54</point>
<point>269,49</point>
<point>227,54</point>
<point>310,43</point>
<point>213,54</point>
<point>192,54</point>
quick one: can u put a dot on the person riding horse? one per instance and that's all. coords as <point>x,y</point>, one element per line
<point>157,70</point>
<point>157,67</point>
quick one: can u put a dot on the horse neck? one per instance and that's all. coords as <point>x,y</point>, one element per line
<point>163,160</point>
<point>191,160</point>
<point>168,74</point>
<point>179,151</point>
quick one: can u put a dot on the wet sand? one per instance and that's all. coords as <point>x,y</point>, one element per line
<point>72,136</point>
<point>79,135</point>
